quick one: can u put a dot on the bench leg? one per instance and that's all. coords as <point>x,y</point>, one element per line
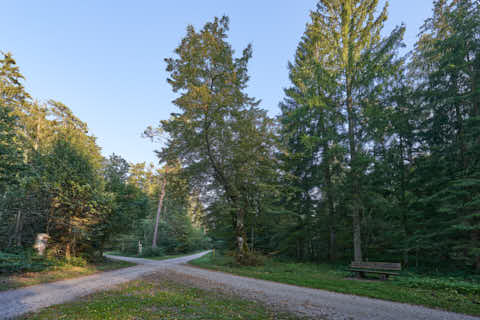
<point>384,276</point>
<point>360,274</point>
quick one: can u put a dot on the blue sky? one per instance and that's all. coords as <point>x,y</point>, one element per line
<point>104,59</point>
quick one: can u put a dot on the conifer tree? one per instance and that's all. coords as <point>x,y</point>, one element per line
<point>339,78</point>
<point>447,65</point>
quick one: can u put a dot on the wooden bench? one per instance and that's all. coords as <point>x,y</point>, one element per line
<point>384,268</point>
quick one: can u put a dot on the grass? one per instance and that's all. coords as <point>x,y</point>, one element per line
<point>154,298</point>
<point>446,294</point>
<point>58,272</point>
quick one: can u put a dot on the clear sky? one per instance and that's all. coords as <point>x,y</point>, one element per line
<point>104,59</point>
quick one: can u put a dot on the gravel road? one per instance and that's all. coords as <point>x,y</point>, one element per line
<point>311,303</point>
<point>14,303</point>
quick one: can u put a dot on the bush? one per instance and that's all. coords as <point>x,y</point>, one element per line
<point>153,252</point>
<point>251,259</point>
<point>22,261</point>
<point>77,261</point>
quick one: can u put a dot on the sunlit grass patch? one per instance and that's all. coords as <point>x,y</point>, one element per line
<point>58,272</point>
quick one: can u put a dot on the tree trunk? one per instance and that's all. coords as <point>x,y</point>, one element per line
<point>18,229</point>
<point>159,209</point>
<point>357,231</point>
<point>332,253</point>
<point>68,246</point>
<point>253,237</point>
<point>475,237</point>
<point>357,236</point>
<point>242,245</point>
<point>67,251</point>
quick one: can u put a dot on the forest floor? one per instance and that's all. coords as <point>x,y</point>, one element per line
<point>165,290</point>
<point>447,294</point>
<point>58,272</point>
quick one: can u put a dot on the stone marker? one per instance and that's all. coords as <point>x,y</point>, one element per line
<point>41,243</point>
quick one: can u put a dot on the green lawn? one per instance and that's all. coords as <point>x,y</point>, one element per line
<point>447,294</point>
<point>153,298</point>
<point>58,272</point>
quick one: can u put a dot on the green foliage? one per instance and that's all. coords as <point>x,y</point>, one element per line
<point>153,252</point>
<point>367,139</point>
<point>222,139</point>
<point>77,262</point>
<point>50,178</point>
<point>11,162</point>
<point>449,284</point>
<point>136,211</point>
<point>22,261</point>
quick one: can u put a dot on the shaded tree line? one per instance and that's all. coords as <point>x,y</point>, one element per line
<point>54,180</point>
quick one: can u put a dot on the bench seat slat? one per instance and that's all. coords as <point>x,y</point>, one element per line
<point>377,265</point>
<point>373,271</point>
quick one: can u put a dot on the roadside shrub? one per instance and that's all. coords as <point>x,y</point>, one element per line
<point>251,259</point>
<point>153,252</point>
<point>77,262</point>
<point>22,261</point>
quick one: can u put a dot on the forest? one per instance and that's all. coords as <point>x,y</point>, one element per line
<point>374,155</point>
<point>55,181</point>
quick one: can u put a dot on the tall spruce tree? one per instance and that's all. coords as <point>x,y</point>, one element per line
<point>348,29</point>
<point>340,80</point>
<point>310,121</point>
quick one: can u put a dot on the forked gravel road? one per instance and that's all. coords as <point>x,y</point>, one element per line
<point>310,303</point>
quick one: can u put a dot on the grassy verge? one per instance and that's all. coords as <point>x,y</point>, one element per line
<point>451,295</point>
<point>158,299</point>
<point>58,272</point>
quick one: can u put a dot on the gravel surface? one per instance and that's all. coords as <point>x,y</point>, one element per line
<point>306,302</point>
<point>310,303</point>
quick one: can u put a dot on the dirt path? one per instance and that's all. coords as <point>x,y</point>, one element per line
<point>312,303</point>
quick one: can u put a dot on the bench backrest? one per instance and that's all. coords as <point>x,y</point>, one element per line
<point>377,265</point>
